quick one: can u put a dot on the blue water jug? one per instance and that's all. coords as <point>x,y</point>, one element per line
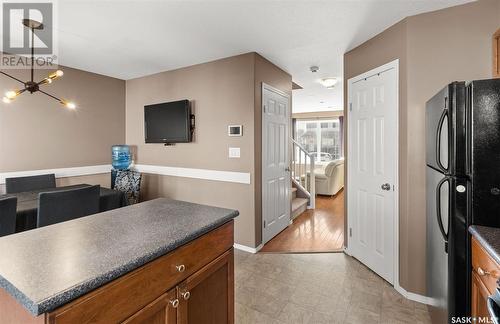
<point>121,157</point>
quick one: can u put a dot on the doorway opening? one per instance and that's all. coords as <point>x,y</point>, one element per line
<point>317,197</point>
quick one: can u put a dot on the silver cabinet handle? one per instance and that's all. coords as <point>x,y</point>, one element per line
<point>180,268</point>
<point>174,303</point>
<point>386,186</point>
<point>481,272</point>
<point>186,295</point>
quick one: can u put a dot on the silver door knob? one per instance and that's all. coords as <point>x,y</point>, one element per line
<point>386,186</point>
<point>174,303</point>
<point>180,268</point>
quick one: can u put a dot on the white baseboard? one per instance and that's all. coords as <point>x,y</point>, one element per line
<point>59,172</point>
<point>247,248</point>
<point>412,296</point>
<point>215,175</point>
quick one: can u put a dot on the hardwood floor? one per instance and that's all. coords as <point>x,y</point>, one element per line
<point>316,230</point>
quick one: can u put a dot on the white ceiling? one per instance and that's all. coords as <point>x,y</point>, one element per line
<point>128,39</point>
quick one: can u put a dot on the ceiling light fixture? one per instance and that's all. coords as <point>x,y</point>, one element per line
<point>328,82</point>
<point>32,86</point>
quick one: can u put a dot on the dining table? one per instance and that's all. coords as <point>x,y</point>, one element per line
<point>27,203</point>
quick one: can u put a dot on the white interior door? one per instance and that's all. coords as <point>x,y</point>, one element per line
<point>276,180</point>
<point>372,169</point>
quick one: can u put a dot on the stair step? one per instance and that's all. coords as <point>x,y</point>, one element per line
<point>299,205</point>
<point>294,189</point>
<point>294,193</point>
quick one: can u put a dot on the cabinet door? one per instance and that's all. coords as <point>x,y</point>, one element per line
<point>479,298</point>
<point>160,311</point>
<point>207,297</point>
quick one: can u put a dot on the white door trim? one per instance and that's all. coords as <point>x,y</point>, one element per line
<point>386,67</point>
<point>268,87</point>
<point>278,91</point>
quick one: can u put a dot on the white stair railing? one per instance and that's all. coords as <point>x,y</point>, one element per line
<point>303,172</point>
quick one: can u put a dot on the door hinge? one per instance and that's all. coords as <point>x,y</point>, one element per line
<point>264,224</point>
<point>264,108</point>
<point>350,106</point>
<point>350,231</point>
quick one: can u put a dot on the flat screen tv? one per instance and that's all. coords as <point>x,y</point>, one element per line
<point>168,122</point>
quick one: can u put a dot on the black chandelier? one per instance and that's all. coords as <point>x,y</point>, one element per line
<point>33,86</point>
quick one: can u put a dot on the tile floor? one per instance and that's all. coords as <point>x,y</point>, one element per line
<point>316,288</point>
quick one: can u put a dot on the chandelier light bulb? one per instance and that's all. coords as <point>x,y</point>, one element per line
<point>6,100</point>
<point>56,74</point>
<point>68,104</point>
<point>11,94</point>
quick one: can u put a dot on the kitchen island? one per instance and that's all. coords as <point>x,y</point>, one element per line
<point>160,261</point>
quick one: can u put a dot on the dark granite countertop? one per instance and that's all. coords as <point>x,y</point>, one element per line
<point>489,237</point>
<point>50,266</point>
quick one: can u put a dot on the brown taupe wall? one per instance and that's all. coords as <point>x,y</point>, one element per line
<point>434,49</point>
<point>443,46</point>
<point>385,47</point>
<point>223,92</point>
<point>37,133</point>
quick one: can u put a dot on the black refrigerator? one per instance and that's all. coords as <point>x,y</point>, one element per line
<point>462,187</point>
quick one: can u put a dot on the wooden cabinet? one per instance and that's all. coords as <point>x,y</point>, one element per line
<point>479,297</point>
<point>485,273</point>
<point>161,311</point>
<point>192,284</point>
<point>207,297</point>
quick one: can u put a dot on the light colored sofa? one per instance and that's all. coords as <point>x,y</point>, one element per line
<point>330,180</point>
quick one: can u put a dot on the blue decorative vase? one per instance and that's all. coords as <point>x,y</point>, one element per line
<point>121,157</point>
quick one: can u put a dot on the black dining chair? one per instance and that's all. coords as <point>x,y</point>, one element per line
<point>21,184</point>
<point>60,206</point>
<point>8,216</point>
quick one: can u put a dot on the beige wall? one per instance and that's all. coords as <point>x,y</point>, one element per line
<point>434,49</point>
<point>222,92</point>
<point>444,46</point>
<point>385,47</point>
<point>36,132</point>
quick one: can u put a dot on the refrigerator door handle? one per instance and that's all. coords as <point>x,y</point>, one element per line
<point>438,209</point>
<point>444,114</point>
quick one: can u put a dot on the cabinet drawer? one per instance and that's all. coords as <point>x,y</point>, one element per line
<point>119,299</point>
<point>484,266</point>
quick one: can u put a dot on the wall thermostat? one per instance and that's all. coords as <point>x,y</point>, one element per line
<point>235,130</point>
